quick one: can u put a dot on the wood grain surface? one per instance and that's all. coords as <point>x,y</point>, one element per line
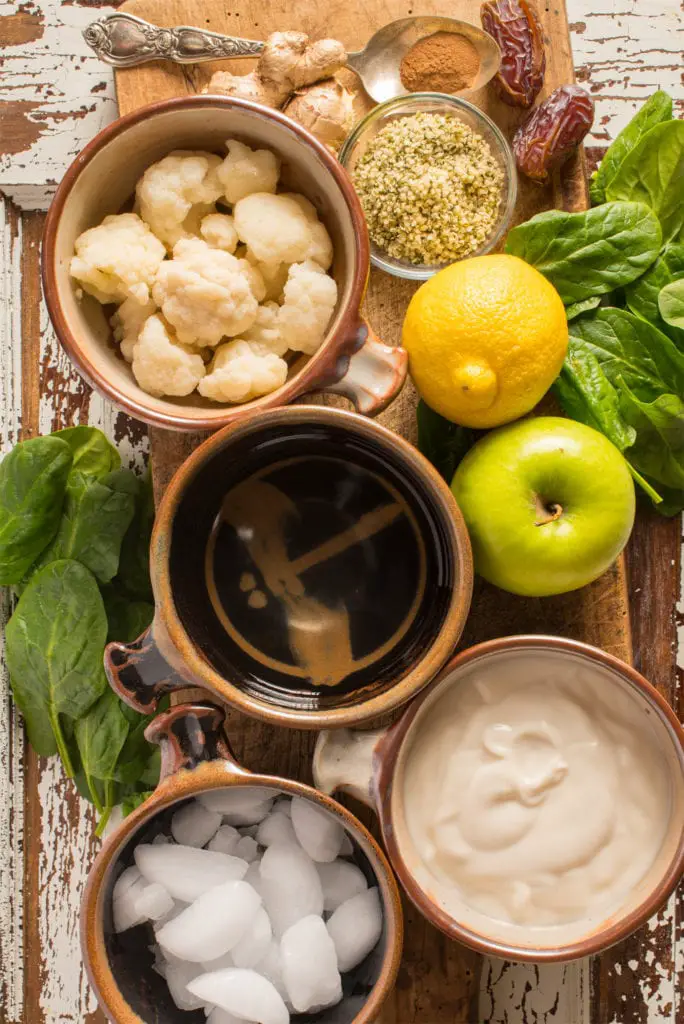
<point>439,979</point>
<point>54,95</point>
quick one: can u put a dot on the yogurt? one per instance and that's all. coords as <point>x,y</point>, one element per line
<point>535,793</point>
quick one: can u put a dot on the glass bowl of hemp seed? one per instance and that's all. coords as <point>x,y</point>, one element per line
<point>436,180</point>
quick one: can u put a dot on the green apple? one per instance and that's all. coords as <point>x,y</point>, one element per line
<point>549,504</point>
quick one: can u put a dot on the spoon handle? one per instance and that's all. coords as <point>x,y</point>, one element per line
<point>124,41</point>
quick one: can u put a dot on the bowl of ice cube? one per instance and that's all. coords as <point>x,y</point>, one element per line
<point>234,897</point>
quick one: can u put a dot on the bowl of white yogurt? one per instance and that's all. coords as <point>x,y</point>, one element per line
<point>531,800</point>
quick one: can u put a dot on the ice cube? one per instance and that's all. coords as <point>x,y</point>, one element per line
<point>309,960</point>
<point>340,880</point>
<point>316,830</point>
<point>254,944</point>
<point>347,848</point>
<point>225,840</point>
<point>176,909</point>
<point>276,828</point>
<point>247,849</point>
<point>218,964</point>
<point>186,872</point>
<point>127,890</point>
<point>355,928</point>
<point>125,881</point>
<point>219,1016</point>
<point>253,876</point>
<point>290,886</point>
<point>244,993</point>
<point>177,977</point>
<point>161,840</point>
<point>213,924</point>
<point>284,805</point>
<point>194,825</point>
<point>271,967</point>
<point>240,805</point>
<point>154,902</point>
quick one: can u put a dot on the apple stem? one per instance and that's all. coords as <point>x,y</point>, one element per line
<point>547,512</point>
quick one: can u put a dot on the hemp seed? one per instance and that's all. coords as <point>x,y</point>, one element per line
<point>430,188</point>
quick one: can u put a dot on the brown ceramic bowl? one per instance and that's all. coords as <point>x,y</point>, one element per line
<point>197,759</point>
<point>101,180</point>
<point>374,767</point>
<point>309,566</point>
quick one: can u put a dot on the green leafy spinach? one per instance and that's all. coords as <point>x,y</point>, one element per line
<point>585,255</point>
<point>655,110</point>
<point>642,295</point>
<point>671,304</point>
<point>443,443</point>
<point>653,173</point>
<point>33,479</point>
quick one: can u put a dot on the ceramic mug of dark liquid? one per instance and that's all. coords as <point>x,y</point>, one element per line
<point>309,567</point>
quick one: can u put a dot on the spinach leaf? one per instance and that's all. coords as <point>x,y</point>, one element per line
<point>134,564</point>
<point>642,294</point>
<point>658,450</point>
<point>632,352</point>
<point>586,394</point>
<point>100,736</point>
<point>653,173</point>
<point>591,253</point>
<point>93,453</point>
<point>656,109</point>
<point>132,801</point>
<point>442,442</point>
<point>671,304</point>
<point>127,618</point>
<point>93,525</point>
<point>575,308</point>
<point>55,640</point>
<point>32,487</point>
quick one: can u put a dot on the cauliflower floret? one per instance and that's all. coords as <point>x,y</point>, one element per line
<point>169,189</point>
<point>118,259</point>
<point>255,278</point>
<point>204,293</point>
<point>321,248</point>
<point>237,373</point>
<point>218,231</point>
<point>265,335</point>
<point>127,324</point>
<point>309,300</point>
<point>161,365</point>
<point>274,276</point>
<point>273,227</point>
<point>246,170</point>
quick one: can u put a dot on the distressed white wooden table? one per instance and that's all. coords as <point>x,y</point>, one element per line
<point>54,96</point>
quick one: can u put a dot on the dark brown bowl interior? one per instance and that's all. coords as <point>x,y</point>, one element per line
<point>394,590</point>
<point>146,992</point>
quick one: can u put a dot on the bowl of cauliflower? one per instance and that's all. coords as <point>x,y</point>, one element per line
<point>205,257</point>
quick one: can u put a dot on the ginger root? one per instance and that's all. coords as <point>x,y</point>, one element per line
<point>289,62</point>
<point>326,109</point>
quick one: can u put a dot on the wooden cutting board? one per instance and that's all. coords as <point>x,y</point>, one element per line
<point>439,980</point>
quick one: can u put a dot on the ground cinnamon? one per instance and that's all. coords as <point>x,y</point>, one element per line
<point>444,62</point>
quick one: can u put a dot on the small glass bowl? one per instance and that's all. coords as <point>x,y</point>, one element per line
<point>435,103</point>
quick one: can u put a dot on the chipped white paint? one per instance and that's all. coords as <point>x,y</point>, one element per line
<point>11,733</point>
<point>67,847</point>
<point>624,50</point>
<point>534,993</point>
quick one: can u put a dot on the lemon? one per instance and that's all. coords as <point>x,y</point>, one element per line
<point>486,338</point>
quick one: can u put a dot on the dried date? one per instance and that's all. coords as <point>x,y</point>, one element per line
<point>552,131</point>
<point>514,26</point>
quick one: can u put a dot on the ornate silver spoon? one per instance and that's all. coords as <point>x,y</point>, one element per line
<point>124,41</point>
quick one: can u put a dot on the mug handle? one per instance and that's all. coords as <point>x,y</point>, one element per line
<point>371,374</point>
<point>190,734</point>
<point>140,674</point>
<point>348,760</point>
